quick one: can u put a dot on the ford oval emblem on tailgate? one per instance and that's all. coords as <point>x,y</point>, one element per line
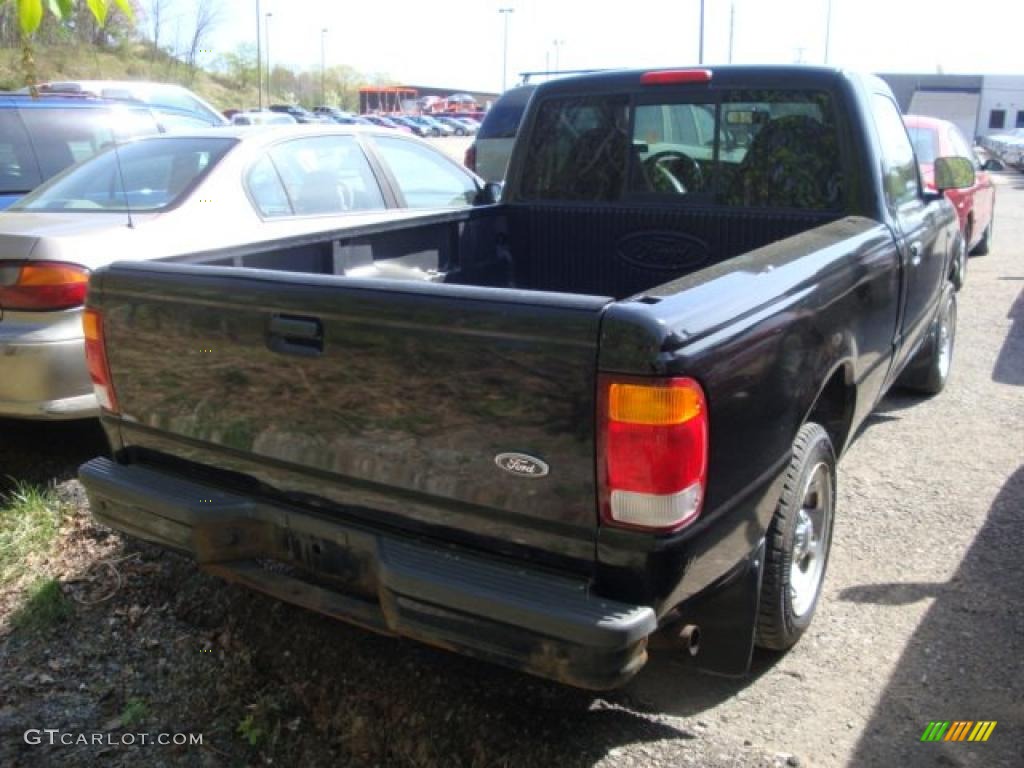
<point>521,465</point>
<point>662,251</point>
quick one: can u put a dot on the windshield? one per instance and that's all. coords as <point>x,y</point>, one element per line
<point>153,175</point>
<point>923,140</point>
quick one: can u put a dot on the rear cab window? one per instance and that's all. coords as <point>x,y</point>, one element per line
<point>63,137</point>
<point>37,143</point>
<point>735,147</point>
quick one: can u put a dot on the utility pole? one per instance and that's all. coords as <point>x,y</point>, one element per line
<point>505,12</point>
<point>323,98</point>
<point>700,54</point>
<point>558,45</point>
<point>828,29</point>
<point>259,59</point>
<point>270,77</point>
<point>732,27</point>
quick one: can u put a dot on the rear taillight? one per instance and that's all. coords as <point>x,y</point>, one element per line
<point>40,286</point>
<point>96,359</point>
<point>652,452</point>
<point>470,159</point>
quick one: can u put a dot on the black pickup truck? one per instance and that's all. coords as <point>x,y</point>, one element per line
<point>600,414</point>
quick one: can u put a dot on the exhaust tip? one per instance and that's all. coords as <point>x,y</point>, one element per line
<point>690,638</point>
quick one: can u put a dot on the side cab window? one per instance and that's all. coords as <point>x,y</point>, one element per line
<point>899,169</point>
<point>316,176</point>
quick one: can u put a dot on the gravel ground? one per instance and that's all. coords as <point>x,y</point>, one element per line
<point>923,620</point>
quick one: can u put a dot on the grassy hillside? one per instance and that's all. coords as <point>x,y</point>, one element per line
<point>128,61</point>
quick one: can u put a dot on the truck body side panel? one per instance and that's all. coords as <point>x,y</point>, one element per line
<point>763,334</point>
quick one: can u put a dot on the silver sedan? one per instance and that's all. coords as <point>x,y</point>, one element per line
<point>167,196</point>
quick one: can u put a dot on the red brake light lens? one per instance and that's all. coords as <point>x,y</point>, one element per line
<point>42,286</point>
<point>676,76</point>
<point>470,160</point>
<point>652,452</point>
<point>96,359</point>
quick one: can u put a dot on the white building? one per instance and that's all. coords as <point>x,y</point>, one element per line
<point>978,104</point>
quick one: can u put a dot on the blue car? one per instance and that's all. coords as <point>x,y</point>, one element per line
<point>40,137</point>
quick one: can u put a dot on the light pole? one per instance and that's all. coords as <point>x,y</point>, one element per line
<point>505,12</point>
<point>270,77</point>
<point>700,53</point>
<point>732,27</point>
<point>323,35</point>
<point>259,60</point>
<point>558,44</point>
<point>828,29</point>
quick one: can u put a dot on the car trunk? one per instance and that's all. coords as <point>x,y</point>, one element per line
<point>383,401</point>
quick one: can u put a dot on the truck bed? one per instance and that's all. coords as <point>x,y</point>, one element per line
<point>611,251</point>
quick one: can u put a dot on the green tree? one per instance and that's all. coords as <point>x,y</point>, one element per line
<point>30,16</point>
<point>240,66</point>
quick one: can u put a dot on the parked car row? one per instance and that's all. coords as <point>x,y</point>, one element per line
<point>420,125</point>
<point>1008,147</point>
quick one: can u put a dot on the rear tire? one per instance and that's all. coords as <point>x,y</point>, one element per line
<point>798,541</point>
<point>929,371</point>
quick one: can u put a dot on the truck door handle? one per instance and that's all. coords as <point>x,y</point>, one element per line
<point>296,335</point>
<point>915,254</point>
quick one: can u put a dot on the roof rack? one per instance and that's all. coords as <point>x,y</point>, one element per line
<point>26,94</point>
<point>557,73</point>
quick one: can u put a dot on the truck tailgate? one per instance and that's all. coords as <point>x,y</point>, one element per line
<point>384,401</point>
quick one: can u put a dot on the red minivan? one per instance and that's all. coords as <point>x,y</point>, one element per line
<point>975,206</point>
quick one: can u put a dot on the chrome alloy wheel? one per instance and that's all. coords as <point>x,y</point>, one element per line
<point>947,332</point>
<point>810,539</point>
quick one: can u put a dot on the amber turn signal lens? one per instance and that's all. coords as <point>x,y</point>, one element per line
<point>676,403</point>
<point>91,325</point>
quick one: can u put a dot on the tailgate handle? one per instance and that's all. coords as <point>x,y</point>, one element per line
<point>295,335</point>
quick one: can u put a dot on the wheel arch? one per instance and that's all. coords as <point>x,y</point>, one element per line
<point>834,405</point>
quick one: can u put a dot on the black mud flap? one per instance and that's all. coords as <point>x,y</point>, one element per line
<point>727,617</point>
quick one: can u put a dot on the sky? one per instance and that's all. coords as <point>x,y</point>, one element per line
<point>459,43</point>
